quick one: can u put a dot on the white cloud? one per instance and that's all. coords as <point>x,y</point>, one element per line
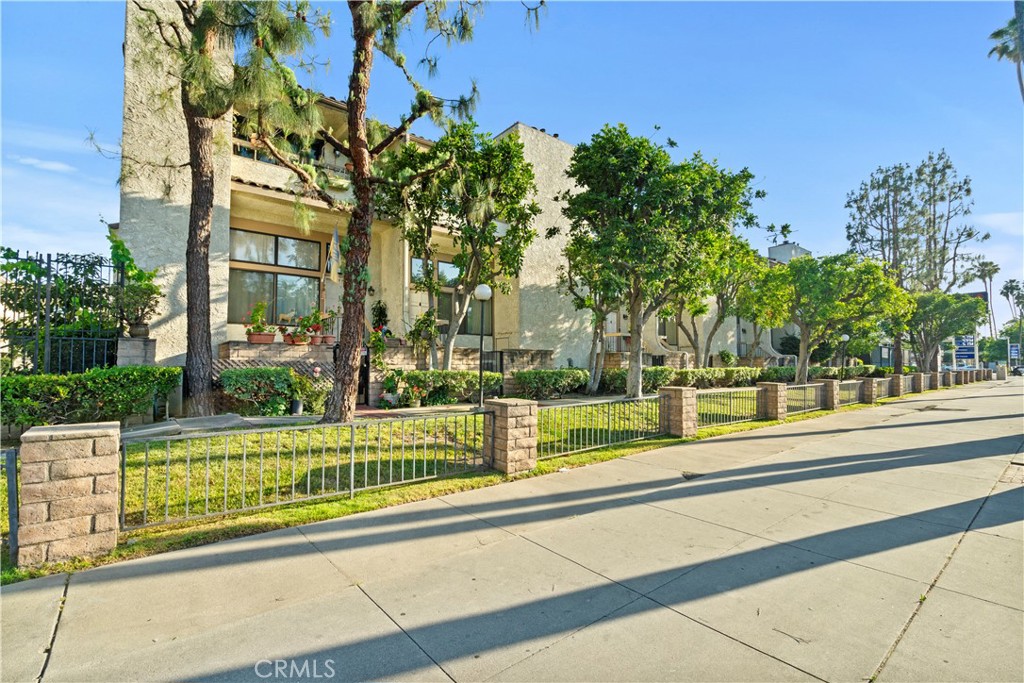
<point>1009,222</point>
<point>29,136</point>
<point>42,164</point>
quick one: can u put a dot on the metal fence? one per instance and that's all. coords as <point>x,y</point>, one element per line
<point>908,383</point>
<point>926,381</point>
<point>802,398</point>
<point>189,476</point>
<point>61,312</point>
<point>850,392</point>
<point>882,387</point>
<point>9,464</point>
<point>726,406</point>
<point>584,426</point>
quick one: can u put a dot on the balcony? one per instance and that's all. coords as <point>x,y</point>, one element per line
<point>254,166</point>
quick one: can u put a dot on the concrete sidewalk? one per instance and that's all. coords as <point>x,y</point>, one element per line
<point>886,541</point>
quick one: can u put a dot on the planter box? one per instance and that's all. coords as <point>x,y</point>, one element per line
<point>261,337</point>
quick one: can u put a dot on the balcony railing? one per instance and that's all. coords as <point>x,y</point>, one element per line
<point>243,148</point>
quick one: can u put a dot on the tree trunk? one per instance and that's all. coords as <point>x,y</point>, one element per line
<point>199,349</point>
<point>634,378</point>
<point>341,403</point>
<point>432,360</point>
<point>804,358</point>
<point>717,325</point>
<point>693,336</point>
<point>595,360</point>
<point>460,309</point>
<point>897,352</point>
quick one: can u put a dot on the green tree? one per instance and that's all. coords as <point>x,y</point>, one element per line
<point>994,350</point>
<point>884,225</point>
<point>986,271</point>
<point>646,216</point>
<point>584,279</point>
<point>830,294</point>
<point>378,28</point>
<point>1014,294</point>
<point>727,268</point>
<point>938,316</point>
<point>762,303</point>
<point>491,209</point>
<point>1010,42</point>
<point>188,40</point>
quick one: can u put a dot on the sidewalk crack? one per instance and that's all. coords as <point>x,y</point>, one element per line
<point>56,625</point>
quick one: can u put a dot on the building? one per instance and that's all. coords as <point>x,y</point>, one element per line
<point>258,253</point>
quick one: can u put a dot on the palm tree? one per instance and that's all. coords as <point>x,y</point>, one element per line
<point>986,272</point>
<point>1014,294</point>
<point>1009,42</point>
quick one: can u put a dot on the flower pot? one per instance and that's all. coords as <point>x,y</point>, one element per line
<point>261,337</point>
<point>286,338</point>
<point>415,403</point>
<point>296,406</point>
<point>328,339</point>
<point>138,330</point>
<point>315,340</point>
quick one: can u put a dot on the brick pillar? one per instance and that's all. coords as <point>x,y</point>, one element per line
<point>771,400</point>
<point>896,385</point>
<point>514,433</point>
<point>1001,372</point>
<point>936,380</point>
<point>829,393</point>
<point>677,414</point>
<point>69,492</point>
<point>869,390</point>
<point>136,351</point>
<point>917,384</point>
<point>958,377</point>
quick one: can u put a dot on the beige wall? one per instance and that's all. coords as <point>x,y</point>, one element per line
<point>547,319</point>
<point>155,198</point>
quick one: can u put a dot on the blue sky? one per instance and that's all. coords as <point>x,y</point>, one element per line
<point>810,96</point>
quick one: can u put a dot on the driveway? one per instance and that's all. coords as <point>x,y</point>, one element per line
<point>885,542</point>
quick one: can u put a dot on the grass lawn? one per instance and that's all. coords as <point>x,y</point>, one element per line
<point>314,460</point>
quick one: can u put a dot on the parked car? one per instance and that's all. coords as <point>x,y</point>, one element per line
<point>1019,370</point>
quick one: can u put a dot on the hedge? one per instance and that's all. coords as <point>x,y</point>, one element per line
<point>97,395</point>
<point>443,387</point>
<point>652,378</point>
<point>704,378</point>
<point>261,391</point>
<point>540,384</point>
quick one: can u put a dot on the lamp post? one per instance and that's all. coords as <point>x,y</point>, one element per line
<point>842,357</point>
<point>482,294</point>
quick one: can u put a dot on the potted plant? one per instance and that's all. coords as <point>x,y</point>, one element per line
<point>327,320</point>
<point>286,333</point>
<point>389,388</point>
<point>257,331</point>
<point>139,301</point>
<point>413,396</point>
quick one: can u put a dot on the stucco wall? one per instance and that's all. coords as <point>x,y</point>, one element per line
<point>155,199</point>
<point>547,319</point>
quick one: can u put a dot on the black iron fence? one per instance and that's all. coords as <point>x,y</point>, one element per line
<point>60,312</point>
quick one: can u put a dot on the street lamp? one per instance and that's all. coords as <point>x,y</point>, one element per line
<point>842,357</point>
<point>482,294</point>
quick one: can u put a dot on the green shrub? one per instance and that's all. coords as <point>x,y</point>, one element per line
<point>540,384</point>
<point>728,358</point>
<point>263,391</point>
<point>98,395</point>
<point>312,391</point>
<point>885,370</point>
<point>778,374</point>
<point>652,378</point>
<point>704,378</point>
<point>442,387</point>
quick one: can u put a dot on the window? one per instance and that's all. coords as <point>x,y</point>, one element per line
<point>256,247</point>
<point>448,277</point>
<point>282,271</point>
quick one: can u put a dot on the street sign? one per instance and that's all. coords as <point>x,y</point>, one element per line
<point>1014,350</point>
<point>965,354</point>
<point>965,340</point>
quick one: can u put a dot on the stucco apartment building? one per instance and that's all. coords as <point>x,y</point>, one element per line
<point>258,253</point>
